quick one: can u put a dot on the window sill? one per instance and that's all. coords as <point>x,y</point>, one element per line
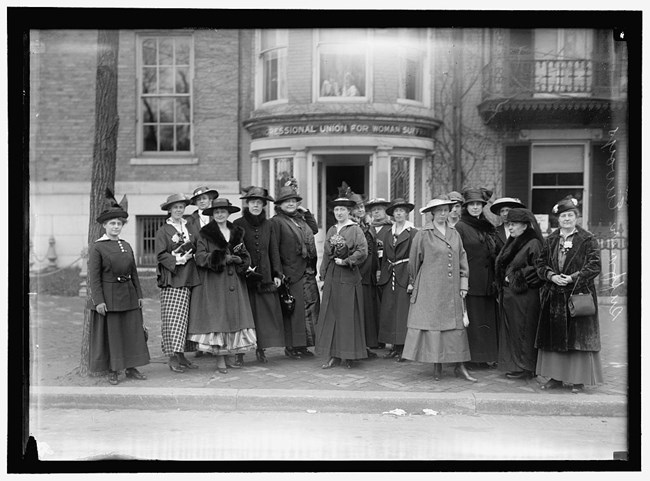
<point>164,161</point>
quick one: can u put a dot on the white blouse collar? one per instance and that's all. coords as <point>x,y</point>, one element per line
<point>407,225</point>
<point>347,223</point>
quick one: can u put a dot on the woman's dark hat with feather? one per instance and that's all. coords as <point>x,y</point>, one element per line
<point>111,209</point>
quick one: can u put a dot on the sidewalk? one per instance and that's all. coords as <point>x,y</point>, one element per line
<point>376,385</point>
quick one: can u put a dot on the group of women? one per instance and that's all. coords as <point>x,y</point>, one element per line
<point>454,292</point>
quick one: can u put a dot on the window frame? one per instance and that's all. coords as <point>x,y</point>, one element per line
<point>140,253</point>
<point>416,161</point>
<point>367,52</point>
<point>267,169</point>
<point>259,75</point>
<point>158,156</point>
<point>425,74</point>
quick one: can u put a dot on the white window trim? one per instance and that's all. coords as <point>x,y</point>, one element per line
<point>259,71</point>
<point>586,145</point>
<point>369,51</point>
<point>271,159</point>
<point>162,158</point>
<point>426,76</point>
<point>411,156</point>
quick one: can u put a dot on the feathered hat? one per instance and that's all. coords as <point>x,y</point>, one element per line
<point>111,209</point>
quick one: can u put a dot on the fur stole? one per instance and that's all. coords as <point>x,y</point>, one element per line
<point>212,232</point>
<point>254,220</point>
<point>518,281</point>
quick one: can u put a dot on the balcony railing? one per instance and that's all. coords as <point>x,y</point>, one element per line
<point>522,77</point>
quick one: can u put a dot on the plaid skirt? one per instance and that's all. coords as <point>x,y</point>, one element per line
<point>174,312</point>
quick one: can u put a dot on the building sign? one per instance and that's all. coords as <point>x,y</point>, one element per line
<point>342,128</point>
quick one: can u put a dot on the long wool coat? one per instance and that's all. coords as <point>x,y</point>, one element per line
<point>518,302</point>
<point>340,331</point>
<point>220,303</point>
<point>368,270</point>
<point>393,281</point>
<point>557,330</point>
<point>295,266</point>
<point>262,245</point>
<point>439,266</point>
<point>168,273</point>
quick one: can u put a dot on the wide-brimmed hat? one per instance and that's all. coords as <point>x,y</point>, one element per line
<point>437,202</point>
<point>174,199</point>
<point>566,204</point>
<point>511,202</point>
<point>287,192</point>
<point>357,198</point>
<point>220,203</point>
<point>399,203</point>
<point>254,192</point>
<point>379,201</point>
<point>111,209</point>
<point>456,196</point>
<point>199,191</point>
<point>476,195</point>
<point>344,202</point>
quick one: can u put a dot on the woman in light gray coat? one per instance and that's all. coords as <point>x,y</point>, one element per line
<point>438,270</point>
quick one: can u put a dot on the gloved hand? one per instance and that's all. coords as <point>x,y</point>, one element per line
<point>230,259</point>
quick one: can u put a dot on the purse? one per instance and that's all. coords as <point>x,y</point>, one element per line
<point>581,305</point>
<point>287,300</point>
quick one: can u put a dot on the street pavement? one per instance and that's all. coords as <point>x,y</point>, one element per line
<point>284,384</point>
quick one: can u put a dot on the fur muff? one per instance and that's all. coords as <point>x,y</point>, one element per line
<point>224,248</point>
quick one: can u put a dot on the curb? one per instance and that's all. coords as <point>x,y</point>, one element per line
<point>360,402</point>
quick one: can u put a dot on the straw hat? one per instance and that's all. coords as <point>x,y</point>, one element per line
<point>377,202</point>
<point>436,202</point>
<point>511,202</point>
<point>173,199</point>
<point>199,191</point>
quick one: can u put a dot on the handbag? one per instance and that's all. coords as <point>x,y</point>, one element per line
<point>287,300</point>
<point>581,305</point>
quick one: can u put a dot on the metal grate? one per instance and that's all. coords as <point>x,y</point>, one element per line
<point>147,226</point>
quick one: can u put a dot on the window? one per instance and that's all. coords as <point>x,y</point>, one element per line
<point>557,171</point>
<point>406,182</point>
<point>146,228</point>
<point>165,91</point>
<point>273,58</point>
<point>280,169</point>
<point>342,58</point>
<point>412,46</point>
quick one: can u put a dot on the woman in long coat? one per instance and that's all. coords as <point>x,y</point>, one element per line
<point>518,286</point>
<point>568,348</point>
<point>265,272</point>
<point>176,276</point>
<point>340,332</point>
<point>117,339</point>
<point>479,240</point>
<point>221,320</point>
<point>296,227</point>
<point>394,278</point>
<point>439,269</point>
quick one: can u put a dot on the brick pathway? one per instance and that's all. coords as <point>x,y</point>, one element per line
<point>56,325</point>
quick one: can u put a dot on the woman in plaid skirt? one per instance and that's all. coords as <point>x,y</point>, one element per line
<point>177,274</point>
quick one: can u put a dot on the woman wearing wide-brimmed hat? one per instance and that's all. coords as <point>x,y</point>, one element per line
<point>117,339</point>
<point>394,278</point>
<point>201,198</point>
<point>221,320</point>
<point>438,273</point>
<point>176,275</point>
<point>501,207</point>
<point>568,347</point>
<point>518,285</point>
<point>340,332</point>
<point>296,227</point>
<point>479,240</point>
<point>265,272</point>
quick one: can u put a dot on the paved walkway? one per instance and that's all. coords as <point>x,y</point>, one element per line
<point>56,326</point>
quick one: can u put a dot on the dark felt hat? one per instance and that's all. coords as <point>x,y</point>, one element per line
<point>456,196</point>
<point>511,202</point>
<point>287,192</point>
<point>379,201</point>
<point>476,195</point>
<point>220,203</point>
<point>254,192</point>
<point>111,209</point>
<point>399,203</point>
<point>203,190</point>
<point>173,199</point>
<point>344,202</point>
<point>566,204</point>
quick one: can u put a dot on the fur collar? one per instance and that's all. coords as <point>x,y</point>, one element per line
<point>254,220</point>
<point>212,232</point>
<point>513,246</point>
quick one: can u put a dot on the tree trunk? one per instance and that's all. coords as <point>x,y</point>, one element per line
<point>104,154</point>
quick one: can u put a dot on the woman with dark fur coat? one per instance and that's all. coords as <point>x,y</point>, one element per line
<point>221,320</point>
<point>518,286</point>
<point>568,348</point>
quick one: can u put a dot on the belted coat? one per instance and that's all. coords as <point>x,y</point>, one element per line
<point>438,265</point>
<point>557,330</point>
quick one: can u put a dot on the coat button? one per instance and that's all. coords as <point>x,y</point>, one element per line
<point>449,265</point>
<point>232,288</point>
<point>450,274</point>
